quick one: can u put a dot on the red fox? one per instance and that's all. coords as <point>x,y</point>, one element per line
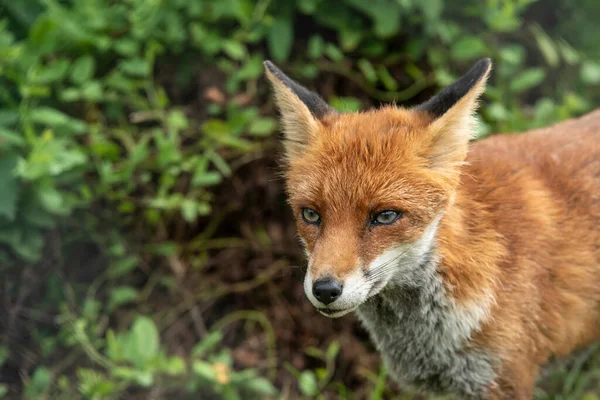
<point>470,265</point>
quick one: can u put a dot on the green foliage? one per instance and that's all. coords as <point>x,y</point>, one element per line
<point>97,60</point>
<point>119,121</point>
<point>135,357</point>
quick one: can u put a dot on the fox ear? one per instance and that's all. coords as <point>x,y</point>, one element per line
<point>453,111</point>
<point>300,110</point>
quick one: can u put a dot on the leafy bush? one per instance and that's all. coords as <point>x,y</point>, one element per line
<point>118,121</point>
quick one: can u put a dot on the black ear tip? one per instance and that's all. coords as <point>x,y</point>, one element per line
<point>448,97</point>
<point>484,64</point>
<point>271,67</point>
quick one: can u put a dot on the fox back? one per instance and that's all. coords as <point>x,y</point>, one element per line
<point>470,265</point>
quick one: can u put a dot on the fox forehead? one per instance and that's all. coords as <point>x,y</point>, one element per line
<point>366,161</point>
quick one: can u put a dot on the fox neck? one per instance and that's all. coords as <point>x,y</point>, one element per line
<point>422,335</point>
<point>422,322</point>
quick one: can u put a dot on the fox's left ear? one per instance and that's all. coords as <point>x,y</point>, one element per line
<point>300,110</point>
<point>453,110</point>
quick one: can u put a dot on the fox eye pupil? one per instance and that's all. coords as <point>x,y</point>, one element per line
<point>386,217</point>
<point>310,216</point>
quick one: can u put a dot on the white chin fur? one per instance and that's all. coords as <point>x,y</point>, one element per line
<point>339,313</point>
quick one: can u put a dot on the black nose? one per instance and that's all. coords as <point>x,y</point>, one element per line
<point>327,290</point>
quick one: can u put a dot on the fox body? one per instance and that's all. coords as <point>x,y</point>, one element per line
<point>470,265</point>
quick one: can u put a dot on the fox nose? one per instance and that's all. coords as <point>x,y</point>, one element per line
<point>327,290</point>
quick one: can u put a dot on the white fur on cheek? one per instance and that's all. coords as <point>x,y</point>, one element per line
<point>401,262</point>
<point>383,268</point>
<point>308,283</point>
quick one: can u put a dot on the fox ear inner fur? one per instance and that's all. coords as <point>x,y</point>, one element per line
<point>449,96</point>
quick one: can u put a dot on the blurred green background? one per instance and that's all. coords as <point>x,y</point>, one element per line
<point>146,250</point>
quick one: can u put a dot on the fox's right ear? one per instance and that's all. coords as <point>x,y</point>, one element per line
<point>300,110</point>
<point>452,112</point>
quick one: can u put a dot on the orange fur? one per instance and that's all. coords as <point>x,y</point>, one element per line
<point>521,217</point>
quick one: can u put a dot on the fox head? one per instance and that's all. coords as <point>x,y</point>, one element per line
<point>369,188</point>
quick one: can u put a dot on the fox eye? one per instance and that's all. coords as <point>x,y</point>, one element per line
<point>310,216</point>
<point>387,217</point>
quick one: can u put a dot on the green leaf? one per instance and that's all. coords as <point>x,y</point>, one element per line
<point>280,39</point>
<point>189,210</point>
<point>10,138</point>
<point>252,69</point>
<point>206,178</point>
<point>50,157</point>
<point>513,54</point>
<point>9,185</point>
<point>92,91</point>
<point>546,45</point>
<point>386,17</point>
<point>57,119</point>
<point>387,21</point>
<point>468,48</point>
<point>122,266</point>
<point>144,378</point>
<point>307,6</point>
<point>230,393</point>
<point>261,386</point>
<point>204,370</point>
<point>218,162</point>
<point>91,309</point>
<point>387,79</point>
<point>135,67</point>
<point>207,344</point>
<point>350,39</point>
<point>121,295</point>
<point>262,126</point>
<point>333,350</point>
<point>25,241</point>
<point>234,49</point>
<point>174,366</point>
<point>346,104</point>
<point>9,117</point>
<point>40,383</point>
<point>367,70</point>
<point>164,249</point>
<point>3,390</point>
<point>590,396</point>
<point>497,111</point>
<point>216,127</point>
<point>123,372</point>
<point>127,47</point>
<point>528,79</point>
<point>590,72</point>
<point>315,46</point>
<point>52,72</point>
<point>569,54</point>
<point>52,200</point>
<point>70,94</point>
<point>333,52</point>
<point>83,69</point>
<point>115,345</point>
<point>177,121</point>
<point>308,383</point>
<point>144,340</point>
